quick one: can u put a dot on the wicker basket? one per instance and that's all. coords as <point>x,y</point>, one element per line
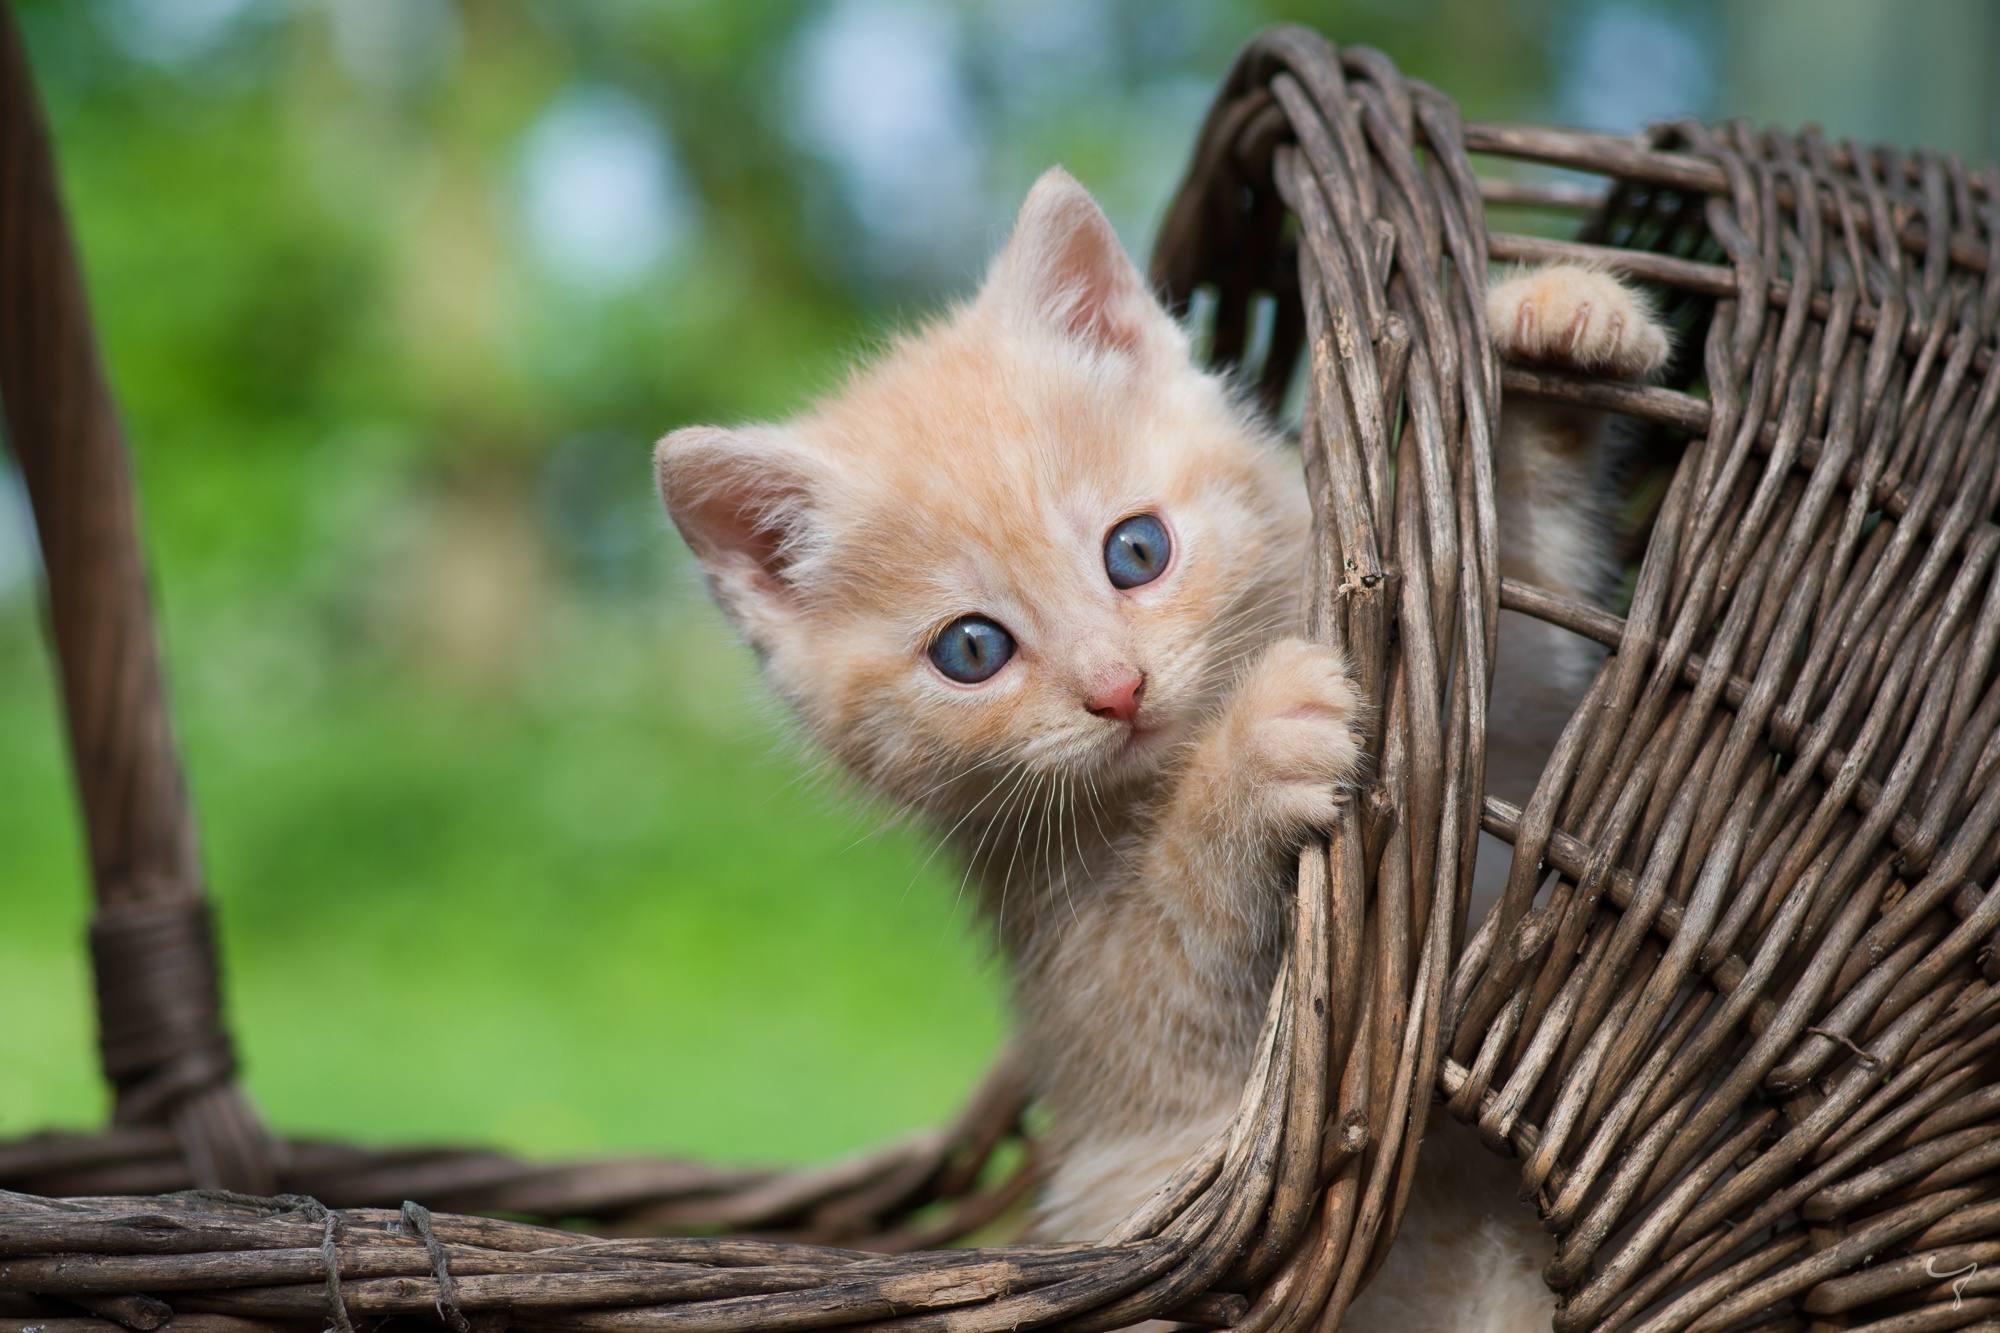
<point>1729,1012</point>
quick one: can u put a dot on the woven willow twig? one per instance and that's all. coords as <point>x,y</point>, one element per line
<point>162,1041</point>
<point>1730,1011</point>
<point>926,1191</point>
<point>1742,1040</point>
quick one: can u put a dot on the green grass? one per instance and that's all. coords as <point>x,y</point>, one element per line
<point>601,910</point>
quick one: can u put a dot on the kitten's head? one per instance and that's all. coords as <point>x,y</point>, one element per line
<point>1032,537</point>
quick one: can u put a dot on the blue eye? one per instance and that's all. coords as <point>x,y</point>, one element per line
<point>1137,551</point>
<point>970,649</point>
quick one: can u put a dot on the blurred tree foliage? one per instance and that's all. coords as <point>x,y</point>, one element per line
<point>395,294</point>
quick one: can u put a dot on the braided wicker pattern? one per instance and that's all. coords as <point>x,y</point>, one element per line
<point>929,1190</point>
<point>1741,1039</point>
<point>1729,1012</point>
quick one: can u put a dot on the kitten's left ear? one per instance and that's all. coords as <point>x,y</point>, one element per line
<point>743,500</point>
<point>1063,269</point>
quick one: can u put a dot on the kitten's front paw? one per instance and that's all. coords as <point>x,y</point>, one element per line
<point>1576,318</point>
<point>1295,729</point>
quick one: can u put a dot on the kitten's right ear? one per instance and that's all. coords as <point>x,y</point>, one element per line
<point>743,502</point>
<point>1064,269</point>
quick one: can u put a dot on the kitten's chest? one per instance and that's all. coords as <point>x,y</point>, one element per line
<point>1063,853</point>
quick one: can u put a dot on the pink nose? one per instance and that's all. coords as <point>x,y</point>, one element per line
<point>1117,696</point>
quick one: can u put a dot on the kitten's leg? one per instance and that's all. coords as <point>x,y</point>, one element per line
<point>1148,1005</point>
<point>1550,455</point>
<point>1554,522</point>
<point>1272,768</point>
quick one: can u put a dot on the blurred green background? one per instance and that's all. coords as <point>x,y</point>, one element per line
<point>396,293</point>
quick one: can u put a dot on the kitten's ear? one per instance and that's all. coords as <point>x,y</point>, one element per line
<point>743,501</point>
<point>1063,267</point>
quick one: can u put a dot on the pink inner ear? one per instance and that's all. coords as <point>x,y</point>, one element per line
<point>738,503</point>
<point>745,533</point>
<point>1096,277</point>
<point>1066,267</point>
<point>1099,281</point>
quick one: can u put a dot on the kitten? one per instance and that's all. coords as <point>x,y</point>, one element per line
<point>1036,576</point>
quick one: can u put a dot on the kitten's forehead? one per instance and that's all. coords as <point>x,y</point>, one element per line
<point>968,409</point>
<point>1002,539</point>
<point>970,457</point>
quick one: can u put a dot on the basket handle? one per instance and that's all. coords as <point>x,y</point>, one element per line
<point>159,1019</point>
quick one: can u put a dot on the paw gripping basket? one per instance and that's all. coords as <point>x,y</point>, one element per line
<point>1735,1013</point>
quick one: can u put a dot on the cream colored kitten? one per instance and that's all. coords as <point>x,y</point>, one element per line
<point>1036,575</point>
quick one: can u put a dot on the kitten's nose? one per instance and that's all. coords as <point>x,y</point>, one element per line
<point>1117,696</point>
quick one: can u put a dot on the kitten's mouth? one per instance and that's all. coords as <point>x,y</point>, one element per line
<point>1145,740</point>
<point>1141,739</point>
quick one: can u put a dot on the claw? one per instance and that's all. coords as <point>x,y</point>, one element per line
<point>1579,324</point>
